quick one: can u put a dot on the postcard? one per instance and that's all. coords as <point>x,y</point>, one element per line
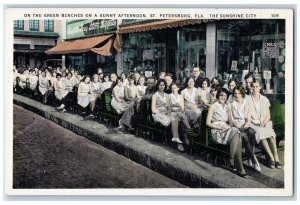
<point>149,101</point>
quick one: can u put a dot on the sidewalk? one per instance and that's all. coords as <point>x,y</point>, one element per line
<point>188,170</point>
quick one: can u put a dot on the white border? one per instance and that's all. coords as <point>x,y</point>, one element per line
<point>12,14</point>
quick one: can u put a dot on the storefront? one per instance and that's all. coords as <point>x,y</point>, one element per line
<point>227,48</point>
<point>89,44</point>
<point>165,45</point>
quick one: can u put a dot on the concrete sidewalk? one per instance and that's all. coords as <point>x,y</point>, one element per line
<point>188,170</point>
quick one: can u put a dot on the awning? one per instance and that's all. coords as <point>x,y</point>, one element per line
<point>104,50</point>
<point>79,45</point>
<point>161,24</point>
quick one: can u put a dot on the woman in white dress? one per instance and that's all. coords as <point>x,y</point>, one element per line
<point>60,92</point>
<point>242,120</point>
<point>33,81</point>
<point>84,92</point>
<point>69,82</point>
<point>95,92</point>
<point>177,105</point>
<point>204,93</point>
<point>53,79</point>
<point>262,124</point>
<point>220,121</point>
<point>141,86</point>
<point>23,79</point>
<point>161,111</point>
<point>131,96</point>
<point>44,86</point>
<point>106,84</point>
<point>193,107</point>
<point>124,78</point>
<point>118,98</point>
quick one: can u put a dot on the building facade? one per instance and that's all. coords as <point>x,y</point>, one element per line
<point>89,45</point>
<point>32,38</point>
<point>223,48</point>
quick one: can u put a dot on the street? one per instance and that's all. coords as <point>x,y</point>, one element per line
<point>49,156</point>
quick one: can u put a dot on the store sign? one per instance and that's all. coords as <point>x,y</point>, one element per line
<point>90,27</point>
<point>267,75</point>
<point>132,21</point>
<point>270,50</point>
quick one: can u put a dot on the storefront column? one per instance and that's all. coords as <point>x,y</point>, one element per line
<point>63,61</point>
<point>211,35</point>
<point>120,67</point>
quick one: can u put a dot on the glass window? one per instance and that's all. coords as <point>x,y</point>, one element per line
<point>49,25</point>
<point>145,52</point>
<point>191,47</point>
<point>251,46</point>
<point>34,25</point>
<point>19,24</point>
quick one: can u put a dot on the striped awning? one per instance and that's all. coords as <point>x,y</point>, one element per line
<point>160,24</point>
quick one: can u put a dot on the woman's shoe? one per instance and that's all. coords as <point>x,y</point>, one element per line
<point>278,165</point>
<point>180,147</point>
<point>272,165</point>
<point>257,167</point>
<point>243,174</point>
<point>231,165</point>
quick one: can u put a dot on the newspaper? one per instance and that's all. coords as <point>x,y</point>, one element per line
<point>224,42</point>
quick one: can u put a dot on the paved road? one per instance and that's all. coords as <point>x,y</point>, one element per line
<point>49,156</point>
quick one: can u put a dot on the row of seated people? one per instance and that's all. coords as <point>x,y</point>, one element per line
<point>245,117</point>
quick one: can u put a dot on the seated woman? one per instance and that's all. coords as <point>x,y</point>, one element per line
<point>141,86</point>
<point>177,105</point>
<point>232,83</point>
<point>53,79</point>
<point>193,107</point>
<point>69,82</point>
<point>95,92</point>
<point>23,79</point>
<point>61,93</point>
<point>242,120</point>
<point>262,124</point>
<point>118,94</point>
<point>15,76</point>
<point>33,81</point>
<point>84,92</point>
<point>106,84</point>
<point>44,86</point>
<point>204,93</point>
<point>160,107</point>
<point>124,78</point>
<point>219,120</point>
<point>131,96</point>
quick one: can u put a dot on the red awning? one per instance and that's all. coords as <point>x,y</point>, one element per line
<point>160,24</point>
<point>104,50</point>
<point>78,46</point>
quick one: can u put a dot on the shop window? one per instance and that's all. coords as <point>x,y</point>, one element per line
<point>251,46</point>
<point>34,25</point>
<point>191,48</point>
<point>19,25</point>
<point>145,52</point>
<point>49,25</point>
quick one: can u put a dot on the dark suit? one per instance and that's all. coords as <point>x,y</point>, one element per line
<point>198,82</point>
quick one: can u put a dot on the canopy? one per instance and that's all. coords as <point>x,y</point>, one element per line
<point>79,45</point>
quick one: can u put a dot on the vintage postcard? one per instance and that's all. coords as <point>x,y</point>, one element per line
<point>149,101</point>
